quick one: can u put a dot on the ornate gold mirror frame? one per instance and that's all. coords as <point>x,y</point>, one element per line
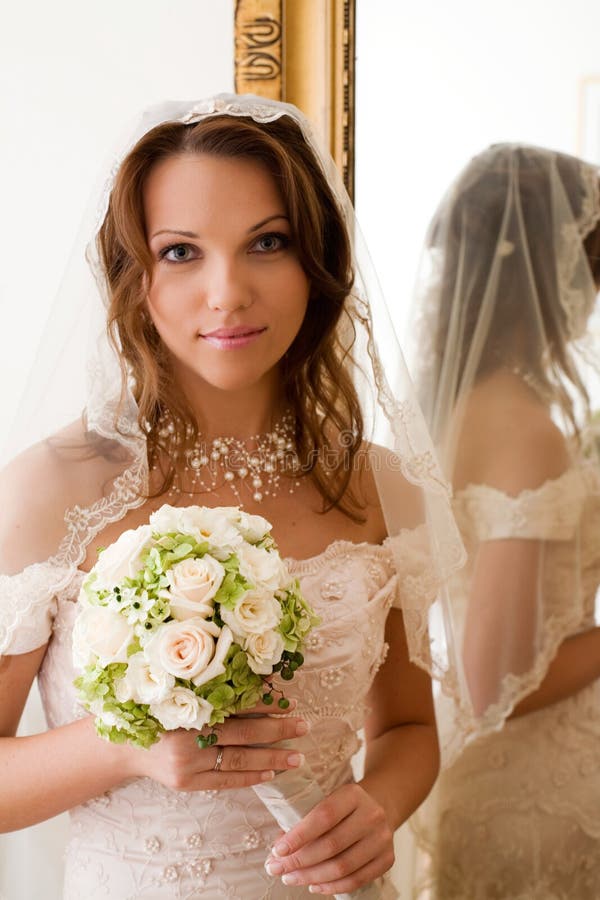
<point>302,51</point>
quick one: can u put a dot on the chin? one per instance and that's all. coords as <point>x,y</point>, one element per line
<point>234,378</point>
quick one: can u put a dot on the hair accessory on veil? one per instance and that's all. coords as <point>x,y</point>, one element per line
<point>260,111</point>
<point>505,248</point>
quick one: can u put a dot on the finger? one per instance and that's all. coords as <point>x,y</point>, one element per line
<point>321,819</point>
<point>224,781</point>
<point>350,832</point>
<point>263,730</point>
<point>359,878</point>
<point>249,759</point>
<point>343,865</point>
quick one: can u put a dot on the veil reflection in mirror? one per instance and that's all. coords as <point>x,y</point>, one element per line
<point>506,322</point>
<point>436,83</point>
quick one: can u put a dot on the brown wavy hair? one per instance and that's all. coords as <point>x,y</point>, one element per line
<point>316,371</point>
<point>478,215</point>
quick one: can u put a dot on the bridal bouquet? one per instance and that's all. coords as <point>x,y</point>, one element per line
<point>182,621</point>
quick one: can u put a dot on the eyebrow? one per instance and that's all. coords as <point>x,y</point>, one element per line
<point>192,234</point>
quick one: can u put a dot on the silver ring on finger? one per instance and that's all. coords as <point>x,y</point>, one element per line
<point>219,759</point>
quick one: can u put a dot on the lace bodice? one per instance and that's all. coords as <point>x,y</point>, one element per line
<point>144,840</point>
<point>517,815</point>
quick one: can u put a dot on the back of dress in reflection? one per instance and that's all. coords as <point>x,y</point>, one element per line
<point>507,310</point>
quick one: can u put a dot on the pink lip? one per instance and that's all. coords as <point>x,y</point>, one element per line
<point>230,338</point>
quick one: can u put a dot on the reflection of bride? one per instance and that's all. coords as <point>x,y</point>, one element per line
<point>508,305</point>
<point>223,254</point>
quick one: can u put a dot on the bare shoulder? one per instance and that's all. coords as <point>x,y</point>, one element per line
<point>36,489</point>
<point>509,440</point>
<point>398,502</point>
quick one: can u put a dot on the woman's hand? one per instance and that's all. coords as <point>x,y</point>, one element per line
<point>235,761</point>
<point>343,843</point>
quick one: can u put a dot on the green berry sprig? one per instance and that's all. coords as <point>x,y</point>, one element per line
<point>208,740</point>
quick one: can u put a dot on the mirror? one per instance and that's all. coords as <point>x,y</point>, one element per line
<point>436,83</point>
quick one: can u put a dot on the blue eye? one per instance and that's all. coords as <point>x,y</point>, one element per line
<point>270,243</point>
<point>177,253</point>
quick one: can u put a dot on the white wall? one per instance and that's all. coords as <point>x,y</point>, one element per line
<point>438,81</point>
<point>73,74</point>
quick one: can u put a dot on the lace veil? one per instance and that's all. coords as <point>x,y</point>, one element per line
<point>78,369</point>
<point>506,341</point>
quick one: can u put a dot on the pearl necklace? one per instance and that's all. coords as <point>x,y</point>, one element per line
<point>204,467</point>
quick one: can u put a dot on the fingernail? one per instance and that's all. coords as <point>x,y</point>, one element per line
<point>295,759</point>
<point>267,776</point>
<point>314,889</point>
<point>273,867</point>
<point>289,879</point>
<point>280,849</point>
<point>302,728</point>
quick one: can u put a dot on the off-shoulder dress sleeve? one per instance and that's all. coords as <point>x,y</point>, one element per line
<point>28,606</point>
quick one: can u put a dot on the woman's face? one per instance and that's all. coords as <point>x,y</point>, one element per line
<point>228,294</point>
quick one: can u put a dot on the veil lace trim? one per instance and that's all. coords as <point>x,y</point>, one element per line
<point>573,299</point>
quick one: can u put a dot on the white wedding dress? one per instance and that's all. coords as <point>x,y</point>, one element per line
<point>143,840</point>
<point>517,817</point>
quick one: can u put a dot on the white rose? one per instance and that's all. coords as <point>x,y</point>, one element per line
<point>100,632</point>
<point>194,583</point>
<point>166,520</point>
<point>122,559</point>
<point>263,567</point>
<point>256,611</point>
<point>252,528</point>
<point>217,664</point>
<point>143,682</point>
<point>110,719</point>
<point>182,709</point>
<point>202,523</point>
<point>264,651</point>
<point>189,650</point>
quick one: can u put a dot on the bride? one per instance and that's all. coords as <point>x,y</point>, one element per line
<point>508,313</point>
<point>241,364</point>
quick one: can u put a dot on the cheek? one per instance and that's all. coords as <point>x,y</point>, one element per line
<point>291,296</point>
<point>169,298</point>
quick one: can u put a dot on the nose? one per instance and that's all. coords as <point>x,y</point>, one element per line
<point>227,288</point>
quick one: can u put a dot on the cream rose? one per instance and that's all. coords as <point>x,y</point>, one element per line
<point>100,633</point>
<point>202,523</point>
<point>110,719</point>
<point>189,649</point>
<point>252,528</point>
<point>143,683</point>
<point>123,558</point>
<point>217,664</point>
<point>262,567</point>
<point>194,583</point>
<point>182,709</point>
<point>255,612</point>
<point>264,651</point>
